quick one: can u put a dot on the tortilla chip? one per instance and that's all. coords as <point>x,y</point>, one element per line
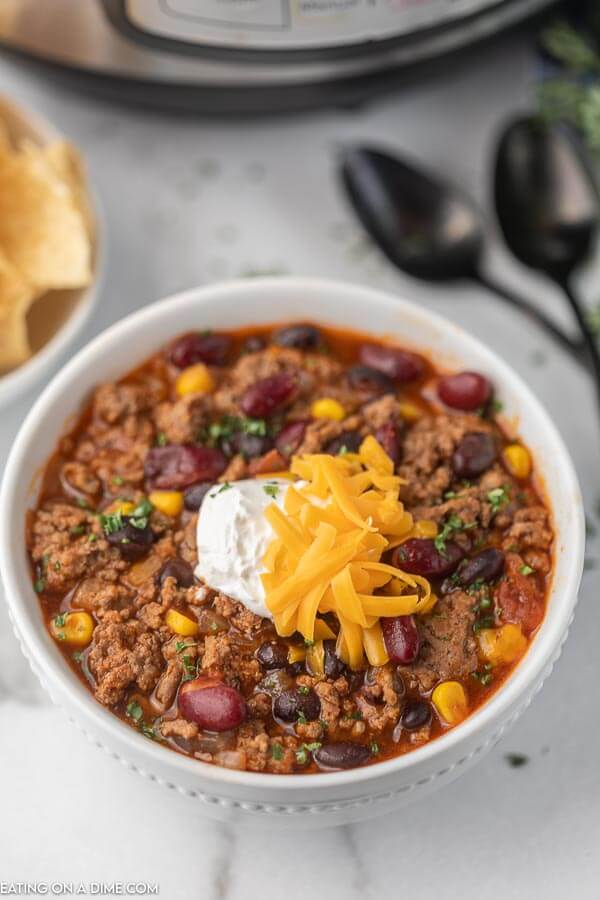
<point>42,232</point>
<point>16,295</point>
<point>68,165</point>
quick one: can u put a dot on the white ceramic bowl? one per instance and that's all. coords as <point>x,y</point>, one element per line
<point>292,800</point>
<point>71,309</point>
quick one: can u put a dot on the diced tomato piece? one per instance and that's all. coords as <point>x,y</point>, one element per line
<point>520,597</point>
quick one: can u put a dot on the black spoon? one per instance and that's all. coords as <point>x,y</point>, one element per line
<point>547,205</point>
<point>426,227</point>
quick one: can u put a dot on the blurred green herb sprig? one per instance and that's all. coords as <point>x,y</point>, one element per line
<point>573,95</point>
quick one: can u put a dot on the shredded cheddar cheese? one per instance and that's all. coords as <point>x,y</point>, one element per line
<point>338,519</point>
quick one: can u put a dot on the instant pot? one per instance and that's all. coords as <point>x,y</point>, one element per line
<point>248,55</point>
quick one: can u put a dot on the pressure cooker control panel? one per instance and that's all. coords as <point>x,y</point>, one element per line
<point>294,24</point>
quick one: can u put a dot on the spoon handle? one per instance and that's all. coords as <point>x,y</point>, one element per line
<point>535,315</point>
<point>588,337</point>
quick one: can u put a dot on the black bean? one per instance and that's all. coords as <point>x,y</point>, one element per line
<point>474,454</point>
<point>178,569</point>
<point>347,440</point>
<point>334,667</point>
<point>301,337</point>
<point>194,495</point>
<point>341,755</point>
<point>252,445</point>
<point>486,566</point>
<point>290,706</point>
<point>272,656</point>
<point>371,381</point>
<point>132,542</point>
<point>416,714</point>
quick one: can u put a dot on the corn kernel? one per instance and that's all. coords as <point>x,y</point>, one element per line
<point>74,628</point>
<point>502,645</point>
<point>195,379</point>
<point>296,654</point>
<point>180,624</point>
<point>327,408</point>
<point>409,411</point>
<point>425,528</point>
<point>168,502</point>
<point>517,460</point>
<point>450,701</point>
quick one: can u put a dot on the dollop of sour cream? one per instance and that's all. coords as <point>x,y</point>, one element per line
<point>233,535</point>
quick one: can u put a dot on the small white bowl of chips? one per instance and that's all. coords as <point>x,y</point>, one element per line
<point>49,248</point>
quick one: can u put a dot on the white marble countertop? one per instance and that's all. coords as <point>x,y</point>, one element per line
<point>190,201</point>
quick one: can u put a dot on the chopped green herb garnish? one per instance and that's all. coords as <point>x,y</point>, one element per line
<point>343,450</point>
<point>276,751</point>
<point>450,495</point>
<point>161,439</point>
<point>148,731</point>
<point>134,711</point>
<point>78,656</point>
<point>497,498</point>
<point>484,676</point>
<point>183,645</point>
<point>302,720</point>
<point>38,585</point>
<point>77,529</point>
<point>82,503</point>
<point>224,487</point>
<point>496,406</point>
<point>308,643</point>
<point>111,522</point>
<point>374,747</point>
<point>516,760</point>
<point>526,570</point>
<point>92,538</point>
<point>484,622</point>
<point>230,425</point>
<point>56,566</point>
<point>60,620</point>
<point>141,514</point>
<point>304,750</point>
<point>118,480</point>
<point>452,525</point>
<point>302,689</point>
<point>271,490</point>
<point>190,667</point>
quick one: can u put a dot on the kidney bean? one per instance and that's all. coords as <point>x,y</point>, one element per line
<point>388,436</point>
<point>486,566</point>
<point>401,638</point>
<point>266,396</point>
<point>132,542</point>
<point>474,454</point>
<point>291,436</point>
<point>416,714</point>
<point>370,381</point>
<point>194,495</point>
<point>301,337</point>
<point>253,344</point>
<point>177,466</point>
<point>195,347</point>
<point>341,755</point>
<point>399,365</point>
<point>347,440</point>
<point>419,556</point>
<point>178,569</point>
<point>467,391</point>
<point>334,666</point>
<point>289,705</point>
<point>211,704</point>
<point>272,655</point>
